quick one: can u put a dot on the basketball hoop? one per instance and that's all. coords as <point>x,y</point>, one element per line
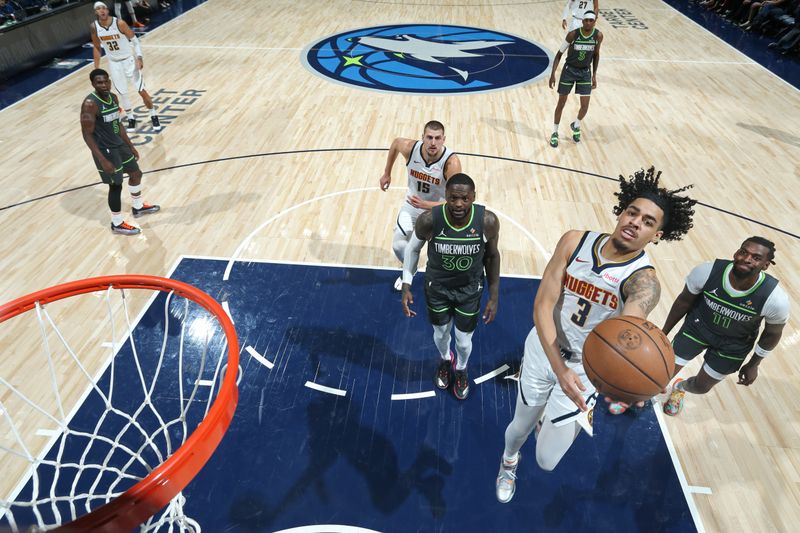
<point>131,499</point>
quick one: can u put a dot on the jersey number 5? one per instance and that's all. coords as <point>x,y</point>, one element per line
<point>580,316</point>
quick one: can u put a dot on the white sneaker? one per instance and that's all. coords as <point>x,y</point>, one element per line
<point>506,483</point>
<point>398,283</point>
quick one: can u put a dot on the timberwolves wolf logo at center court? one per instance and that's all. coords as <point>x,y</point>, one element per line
<point>428,58</point>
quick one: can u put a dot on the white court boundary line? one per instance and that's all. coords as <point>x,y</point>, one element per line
<point>323,388</point>
<point>170,21</point>
<point>260,358</point>
<point>723,41</point>
<point>490,375</point>
<point>676,464</point>
<point>414,395</point>
<point>235,257</point>
<point>327,528</point>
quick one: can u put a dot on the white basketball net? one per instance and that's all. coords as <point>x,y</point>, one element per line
<point>86,465</point>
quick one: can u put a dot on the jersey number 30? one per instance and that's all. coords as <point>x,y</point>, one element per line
<point>583,311</point>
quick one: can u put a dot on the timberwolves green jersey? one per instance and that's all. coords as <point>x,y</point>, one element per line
<point>455,255</point>
<point>581,51</point>
<point>106,126</point>
<point>729,323</point>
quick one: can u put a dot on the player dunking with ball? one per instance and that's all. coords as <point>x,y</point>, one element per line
<point>430,164</point>
<point>617,272</point>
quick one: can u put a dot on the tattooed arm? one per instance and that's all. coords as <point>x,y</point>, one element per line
<point>642,291</point>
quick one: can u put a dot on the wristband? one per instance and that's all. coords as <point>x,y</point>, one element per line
<point>761,352</point>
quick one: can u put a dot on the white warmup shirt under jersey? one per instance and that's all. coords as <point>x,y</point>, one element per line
<point>424,180</point>
<point>115,43</point>
<point>574,11</point>
<point>592,292</point>
<point>775,310</point>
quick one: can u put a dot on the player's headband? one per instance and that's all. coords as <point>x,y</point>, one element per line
<point>587,15</point>
<point>100,4</point>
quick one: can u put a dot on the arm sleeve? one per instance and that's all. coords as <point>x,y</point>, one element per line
<point>776,308</point>
<point>411,258</point>
<point>137,48</point>
<point>698,277</point>
<point>564,46</point>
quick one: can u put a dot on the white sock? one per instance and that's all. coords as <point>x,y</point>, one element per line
<point>577,123</point>
<point>511,460</point>
<point>555,128</point>
<point>153,111</point>
<point>117,219</point>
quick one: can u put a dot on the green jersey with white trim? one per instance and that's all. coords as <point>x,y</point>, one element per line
<point>730,323</point>
<point>581,51</point>
<point>455,255</point>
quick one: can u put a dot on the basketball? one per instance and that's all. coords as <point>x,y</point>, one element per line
<point>628,359</point>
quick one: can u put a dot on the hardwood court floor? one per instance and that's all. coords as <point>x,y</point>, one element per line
<point>671,95</point>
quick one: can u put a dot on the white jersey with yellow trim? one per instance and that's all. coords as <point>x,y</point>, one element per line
<point>592,292</point>
<point>577,9</point>
<point>114,42</point>
<point>424,180</point>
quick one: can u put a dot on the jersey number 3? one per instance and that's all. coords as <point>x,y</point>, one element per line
<point>583,311</point>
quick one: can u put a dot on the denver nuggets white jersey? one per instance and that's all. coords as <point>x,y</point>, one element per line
<point>592,291</point>
<point>577,8</point>
<point>426,181</point>
<point>115,43</point>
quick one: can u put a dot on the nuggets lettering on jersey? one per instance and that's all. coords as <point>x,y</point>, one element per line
<point>592,291</point>
<point>114,42</point>
<point>427,180</point>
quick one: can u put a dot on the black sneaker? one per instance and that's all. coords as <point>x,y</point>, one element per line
<point>145,210</point>
<point>125,229</point>
<point>461,384</point>
<point>442,378</point>
<point>576,132</point>
<point>131,127</point>
<point>156,123</point>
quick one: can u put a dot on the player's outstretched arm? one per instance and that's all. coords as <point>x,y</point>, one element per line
<point>491,262</point>
<point>399,146</point>
<point>423,231</point>
<point>546,298</point>
<point>642,292</point>
<point>680,307</point>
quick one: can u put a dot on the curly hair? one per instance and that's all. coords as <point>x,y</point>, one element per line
<point>678,210</point>
<point>766,243</point>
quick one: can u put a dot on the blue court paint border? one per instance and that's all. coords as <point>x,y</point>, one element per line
<point>562,500</point>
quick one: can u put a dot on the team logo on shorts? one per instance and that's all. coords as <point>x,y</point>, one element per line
<point>428,58</point>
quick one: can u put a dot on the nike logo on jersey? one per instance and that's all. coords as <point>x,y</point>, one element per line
<point>579,260</point>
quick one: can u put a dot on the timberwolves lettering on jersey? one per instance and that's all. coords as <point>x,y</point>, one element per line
<point>455,255</point>
<point>581,51</point>
<point>592,291</point>
<point>115,43</point>
<point>424,180</point>
<point>731,322</point>
<point>106,127</point>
